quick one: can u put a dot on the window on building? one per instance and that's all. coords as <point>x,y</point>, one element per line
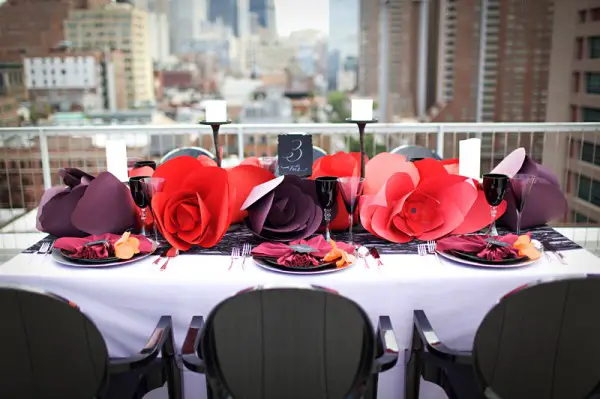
<point>579,48</point>
<point>582,15</point>
<point>595,14</point>
<point>589,190</point>
<point>594,47</point>
<point>590,153</point>
<point>590,114</point>
<point>593,82</point>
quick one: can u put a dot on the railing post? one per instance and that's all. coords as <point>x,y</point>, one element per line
<point>440,141</point>
<point>240,142</point>
<point>45,160</point>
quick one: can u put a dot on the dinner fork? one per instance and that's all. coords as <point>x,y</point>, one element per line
<point>235,255</point>
<point>246,249</point>
<point>431,250</point>
<point>44,248</point>
<point>171,253</point>
<point>422,249</point>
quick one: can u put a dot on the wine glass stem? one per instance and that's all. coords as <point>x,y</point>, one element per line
<point>327,216</point>
<point>143,217</point>
<point>351,222</point>
<point>492,230</point>
<point>518,223</point>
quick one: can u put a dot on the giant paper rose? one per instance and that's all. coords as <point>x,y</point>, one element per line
<point>422,200</point>
<point>341,164</point>
<point>283,209</point>
<point>195,206</point>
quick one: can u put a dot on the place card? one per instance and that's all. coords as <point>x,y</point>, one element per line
<point>469,158</point>
<point>116,158</point>
<point>295,154</point>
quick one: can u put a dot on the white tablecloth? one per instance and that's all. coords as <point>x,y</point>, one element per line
<point>126,302</point>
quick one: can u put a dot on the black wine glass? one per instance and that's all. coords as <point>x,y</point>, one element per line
<point>521,185</point>
<point>140,196</point>
<point>327,193</point>
<point>140,164</point>
<point>351,189</point>
<point>494,188</point>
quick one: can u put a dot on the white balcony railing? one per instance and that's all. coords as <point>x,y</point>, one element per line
<point>30,157</point>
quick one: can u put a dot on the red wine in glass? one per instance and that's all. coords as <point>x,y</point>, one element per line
<point>494,188</point>
<point>139,193</point>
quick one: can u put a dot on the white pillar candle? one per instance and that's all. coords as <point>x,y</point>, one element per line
<point>362,110</point>
<point>469,158</point>
<point>116,157</point>
<point>215,110</point>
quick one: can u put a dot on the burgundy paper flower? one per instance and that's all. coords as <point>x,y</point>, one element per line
<point>283,209</point>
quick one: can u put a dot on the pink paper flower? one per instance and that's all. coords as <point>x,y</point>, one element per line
<point>421,200</point>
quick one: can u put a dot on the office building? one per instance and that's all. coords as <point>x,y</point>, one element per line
<point>265,10</point>
<point>35,26</point>
<point>186,19</point>
<point>118,27</point>
<point>77,81</point>
<point>12,92</point>
<point>227,12</point>
<point>343,43</point>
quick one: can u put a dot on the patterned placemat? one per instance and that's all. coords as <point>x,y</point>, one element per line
<point>238,235</point>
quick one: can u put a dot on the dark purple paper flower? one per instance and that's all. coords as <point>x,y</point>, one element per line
<point>86,206</point>
<point>284,209</point>
<point>545,202</point>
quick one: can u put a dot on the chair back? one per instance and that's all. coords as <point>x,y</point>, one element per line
<point>49,348</point>
<point>288,343</point>
<point>189,151</point>
<point>318,152</point>
<point>415,152</point>
<point>542,342</point>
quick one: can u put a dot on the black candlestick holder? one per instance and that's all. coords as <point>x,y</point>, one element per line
<point>361,132</point>
<point>215,129</point>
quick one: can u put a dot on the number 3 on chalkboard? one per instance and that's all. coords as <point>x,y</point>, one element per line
<point>296,153</point>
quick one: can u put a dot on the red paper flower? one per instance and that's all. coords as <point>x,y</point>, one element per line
<point>196,204</point>
<point>436,204</point>
<point>341,164</point>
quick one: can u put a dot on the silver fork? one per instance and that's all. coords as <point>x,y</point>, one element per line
<point>245,253</point>
<point>235,254</point>
<point>431,250</point>
<point>422,249</point>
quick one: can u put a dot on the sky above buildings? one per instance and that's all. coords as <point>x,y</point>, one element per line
<point>293,15</point>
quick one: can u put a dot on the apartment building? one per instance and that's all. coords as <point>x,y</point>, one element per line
<point>80,81</point>
<point>574,96</point>
<point>122,27</point>
<point>12,92</point>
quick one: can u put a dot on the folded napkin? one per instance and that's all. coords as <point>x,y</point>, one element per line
<point>477,244</point>
<point>76,247</point>
<point>318,243</point>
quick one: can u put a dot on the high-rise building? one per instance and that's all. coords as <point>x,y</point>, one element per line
<point>34,26</point>
<point>227,11</point>
<point>265,10</point>
<point>343,39</point>
<point>118,27</point>
<point>574,96</point>
<point>186,19</point>
<point>76,81</point>
<point>12,91</point>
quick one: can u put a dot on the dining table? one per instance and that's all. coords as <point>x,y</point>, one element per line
<point>125,302</point>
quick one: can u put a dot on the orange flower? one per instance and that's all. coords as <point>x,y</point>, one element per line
<point>126,246</point>
<point>341,257</point>
<point>526,247</point>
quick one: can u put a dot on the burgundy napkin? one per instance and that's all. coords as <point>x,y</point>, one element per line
<point>297,259</point>
<point>77,248</point>
<point>477,244</point>
<point>278,250</point>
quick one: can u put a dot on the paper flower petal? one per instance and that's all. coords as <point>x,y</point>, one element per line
<point>244,178</point>
<point>382,167</point>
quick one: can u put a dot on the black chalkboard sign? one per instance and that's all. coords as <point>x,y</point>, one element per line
<point>295,154</point>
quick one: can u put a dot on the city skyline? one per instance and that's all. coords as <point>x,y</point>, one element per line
<point>292,18</point>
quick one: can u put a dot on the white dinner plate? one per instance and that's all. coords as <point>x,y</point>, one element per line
<point>266,266</point>
<point>527,262</point>
<point>58,257</point>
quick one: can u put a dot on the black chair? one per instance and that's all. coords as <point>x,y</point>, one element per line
<point>415,152</point>
<point>50,349</point>
<point>289,343</point>
<point>187,151</point>
<point>538,342</point>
